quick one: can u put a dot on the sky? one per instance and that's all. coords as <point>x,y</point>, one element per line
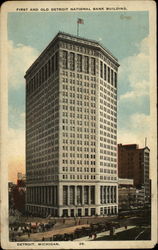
<point>125,34</point>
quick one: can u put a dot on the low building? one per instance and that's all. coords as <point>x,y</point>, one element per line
<point>17,194</point>
<point>133,163</point>
<point>126,194</point>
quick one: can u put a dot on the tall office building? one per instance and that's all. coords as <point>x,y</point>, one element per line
<point>133,163</point>
<point>71,129</point>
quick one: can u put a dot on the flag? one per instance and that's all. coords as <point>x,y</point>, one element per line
<point>80,21</point>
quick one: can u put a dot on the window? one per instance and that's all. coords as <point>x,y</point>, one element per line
<point>65,195</point>
<point>72,195</point>
<point>101,69</point>
<point>65,58</point>
<point>72,61</point>
<point>49,70</point>
<point>86,195</point>
<point>56,60</point>
<point>111,76</point>
<point>93,66</point>
<point>115,82</point>
<point>105,72</point>
<point>79,194</point>
<point>79,63</point>
<point>86,64</point>
<point>43,74</point>
<point>108,74</point>
<point>45,70</point>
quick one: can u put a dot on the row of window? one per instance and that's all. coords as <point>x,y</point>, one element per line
<point>78,169</point>
<point>81,76</point>
<point>43,74</point>
<point>88,51</point>
<point>88,143</point>
<point>112,178</point>
<point>108,74</point>
<point>82,49</point>
<point>79,149</point>
<point>79,177</point>
<point>79,62</point>
<point>92,156</point>
<point>79,162</point>
<point>79,90</point>
<point>108,171</point>
<point>41,178</point>
<point>104,85</point>
<point>86,86</point>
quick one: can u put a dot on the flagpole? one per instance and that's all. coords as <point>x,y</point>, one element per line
<point>79,21</point>
<point>77,28</point>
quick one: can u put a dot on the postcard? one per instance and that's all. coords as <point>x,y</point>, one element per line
<point>78,125</point>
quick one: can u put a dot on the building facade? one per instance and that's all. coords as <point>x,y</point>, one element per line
<point>71,129</point>
<point>126,194</point>
<point>133,162</point>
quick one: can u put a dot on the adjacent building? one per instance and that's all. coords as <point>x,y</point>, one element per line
<point>17,195</point>
<point>126,194</point>
<point>133,163</point>
<point>21,181</point>
<point>71,129</point>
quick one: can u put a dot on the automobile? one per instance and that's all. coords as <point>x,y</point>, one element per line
<point>115,224</point>
<point>102,226</point>
<point>58,237</point>
<point>88,231</point>
<point>79,232</point>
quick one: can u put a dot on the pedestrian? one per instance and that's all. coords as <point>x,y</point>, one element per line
<point>95,236</point>
<point>126,227</point>
<point>28,234</point>
<point>111,231</point>
<point>43,239</point>
<point>71,237</point>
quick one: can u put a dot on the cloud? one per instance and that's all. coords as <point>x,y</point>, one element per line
<point>136,130</point>
<point>16,117</point>
<point>133,103</point>
<point>15,152</point>
<point>15,165</point>
<point>16,143</point>
<point>20,58</point>
<point>134,74</point>
<point>140,89</point>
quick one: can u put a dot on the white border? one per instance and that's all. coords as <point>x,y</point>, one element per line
<point>11,6</point>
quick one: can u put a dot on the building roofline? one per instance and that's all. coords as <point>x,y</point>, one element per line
<point>90,40</point>
<point>76,37</point>
<point>133,144</point>
<point>145,148</point>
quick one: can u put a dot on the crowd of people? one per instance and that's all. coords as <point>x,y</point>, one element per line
<point>91,230</point>
<point>18,229</point>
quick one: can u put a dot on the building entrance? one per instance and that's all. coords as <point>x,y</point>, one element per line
<point>86,211</point>
<point>65,212</point>
<point>72,212</point>
<point>92,211</point>
<point>79,212</point>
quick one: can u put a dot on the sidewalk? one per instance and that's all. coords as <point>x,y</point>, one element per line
<point>48,234</point>
<point>102,234</point>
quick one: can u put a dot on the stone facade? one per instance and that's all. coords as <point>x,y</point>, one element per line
<point>134,163</point>
<point>71,129</point>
